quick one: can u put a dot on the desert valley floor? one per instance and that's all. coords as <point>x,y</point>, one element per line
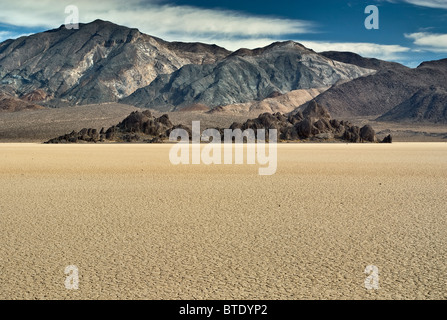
<point>139,227</point>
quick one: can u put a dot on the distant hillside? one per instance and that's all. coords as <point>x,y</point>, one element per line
<point>355,59</point>
<point>100,62</point>
<point>244,76</point>
<point>378,93</point>
<point>313,124</point>
<point>10,103</point>
<point>104,63</point>
<point>426,105</point>
<point>283,103</point>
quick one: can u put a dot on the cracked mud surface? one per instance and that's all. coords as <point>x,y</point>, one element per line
<point>138,227</point>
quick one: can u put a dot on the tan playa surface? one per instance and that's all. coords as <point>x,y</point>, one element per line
<point>138,227</point>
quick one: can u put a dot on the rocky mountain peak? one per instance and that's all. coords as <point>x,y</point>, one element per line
<point>274,47</point>
<point>246,75</point>
<point>99,62</point>
<point>437,64</point>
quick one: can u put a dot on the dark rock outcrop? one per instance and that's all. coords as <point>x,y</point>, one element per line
<point>85,135</point>
<point>314,110</point>
<point>368,134</point>
<point>314,124</point>
<point>387,139</point>
<point>304,129</point>
<point>137,127</point>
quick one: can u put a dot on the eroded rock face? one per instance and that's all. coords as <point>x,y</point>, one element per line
<point>137,127</point>
<point>368,134</point>
<point>314,110</point>
<point>35,96</point>
<point>426,105</point>
<point>10,103</point>
<point>398,93</point>
<point>99,62</point>
<point>387,139</point>
<point>304,129</point>
<point>314,123</point>
<point>136,122</point>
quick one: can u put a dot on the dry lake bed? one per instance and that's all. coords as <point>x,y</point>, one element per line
<point>138,227</point>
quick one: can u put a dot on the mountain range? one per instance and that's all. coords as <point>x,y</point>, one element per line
<point>103,62</point>
<point>100,62</point>
<point>243,76</point>
<point>380,93</point>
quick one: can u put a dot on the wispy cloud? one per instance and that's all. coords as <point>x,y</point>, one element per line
<point>155,18</point>
<point>230,29</point>
<point>427,41</point>
<point>441,4</point>
<point>371,50</point>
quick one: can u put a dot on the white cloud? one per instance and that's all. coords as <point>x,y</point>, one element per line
<point>370,50</point>
<point>4,35</point>
<point>411,64</point>
<point>230,29</point>
<point>442,4</point>
<point>154,18</point>
<point>427,41</point>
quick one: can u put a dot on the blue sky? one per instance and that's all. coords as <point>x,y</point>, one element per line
<point>410,31</point>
